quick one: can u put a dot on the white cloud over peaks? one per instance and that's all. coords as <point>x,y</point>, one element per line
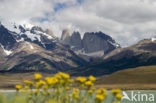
<point>127,21</point>
<point>24,10</point>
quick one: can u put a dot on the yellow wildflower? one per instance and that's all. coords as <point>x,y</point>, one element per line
<point>101,90</point>
<point>51,80</point>
<point>89,84</point>
<point>116,91</point>
<point>81,79</point>
<point>40,83</point>
<point>18,87</point>
<point>92,78</point>
<point>37,76</point>
<point>64,75</point>
<point>75,95</point>
<point>26,87</point>
<point>27,82</point>
<point>99,97</point>
<point>118,96</point>
<point>75,90</point>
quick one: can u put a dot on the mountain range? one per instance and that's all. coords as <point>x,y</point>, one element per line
<point>141,54</point>
<point>93,44</point>
<point>25,48</point>
<point>34,49</point>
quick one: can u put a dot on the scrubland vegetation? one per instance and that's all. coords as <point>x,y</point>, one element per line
<point>61,89</point>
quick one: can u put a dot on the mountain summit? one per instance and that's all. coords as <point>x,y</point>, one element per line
<point>92,44</point>
<point>25,49</point>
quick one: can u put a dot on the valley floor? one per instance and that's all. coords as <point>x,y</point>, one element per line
<point>141,78</point>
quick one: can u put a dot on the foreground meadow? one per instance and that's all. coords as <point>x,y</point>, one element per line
<point>61,89</point>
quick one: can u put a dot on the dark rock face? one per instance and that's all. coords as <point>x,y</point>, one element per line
<point>75,41</point>
<point>6,39</point>
<point>98,41</point>
<point>22,29</point>
<point>91,42</point>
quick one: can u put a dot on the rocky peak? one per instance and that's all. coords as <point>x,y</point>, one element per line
<point>98,41</point>
<point>50,32</point>
<point>75,40</point>
<point>21,28</point>
<point>92,43</point>
<point>65,38</point>
<point>6,38</point>
<point>36,28</point>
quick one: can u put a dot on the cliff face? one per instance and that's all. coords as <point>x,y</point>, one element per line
<point>94,42</point>
<point>6,38</point>
<point>75,41</point>
<point>91,43</point>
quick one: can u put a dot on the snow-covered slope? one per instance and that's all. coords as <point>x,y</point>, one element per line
<point>7,52</point>
<point>30,33</point>
<point>25,48</point>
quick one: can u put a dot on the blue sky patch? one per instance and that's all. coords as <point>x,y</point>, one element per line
<point>59,6</point>
<point>80,1</point>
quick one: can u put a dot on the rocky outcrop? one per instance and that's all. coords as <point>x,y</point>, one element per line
<point>6,38</point>
<point>93,43</point>
<point>65,38</point>
<point>50,33</point>
<point>75,41</point>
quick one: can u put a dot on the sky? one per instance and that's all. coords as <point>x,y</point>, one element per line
<point>127,21</point>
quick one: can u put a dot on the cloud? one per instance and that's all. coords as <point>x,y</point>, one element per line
<point>127,21</point>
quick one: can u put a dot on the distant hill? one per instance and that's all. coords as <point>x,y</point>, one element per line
<point>139,75</point>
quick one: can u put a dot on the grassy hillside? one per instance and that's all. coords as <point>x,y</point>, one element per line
<point>140,77</point>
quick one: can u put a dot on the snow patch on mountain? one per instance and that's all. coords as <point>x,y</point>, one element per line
<point>115,44</point>
<point>94,54</point>
<point>15,28</point>
<point>33,36</point>
<point>48,36</point>
<point>7,52</point>
<point>20,40</point>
